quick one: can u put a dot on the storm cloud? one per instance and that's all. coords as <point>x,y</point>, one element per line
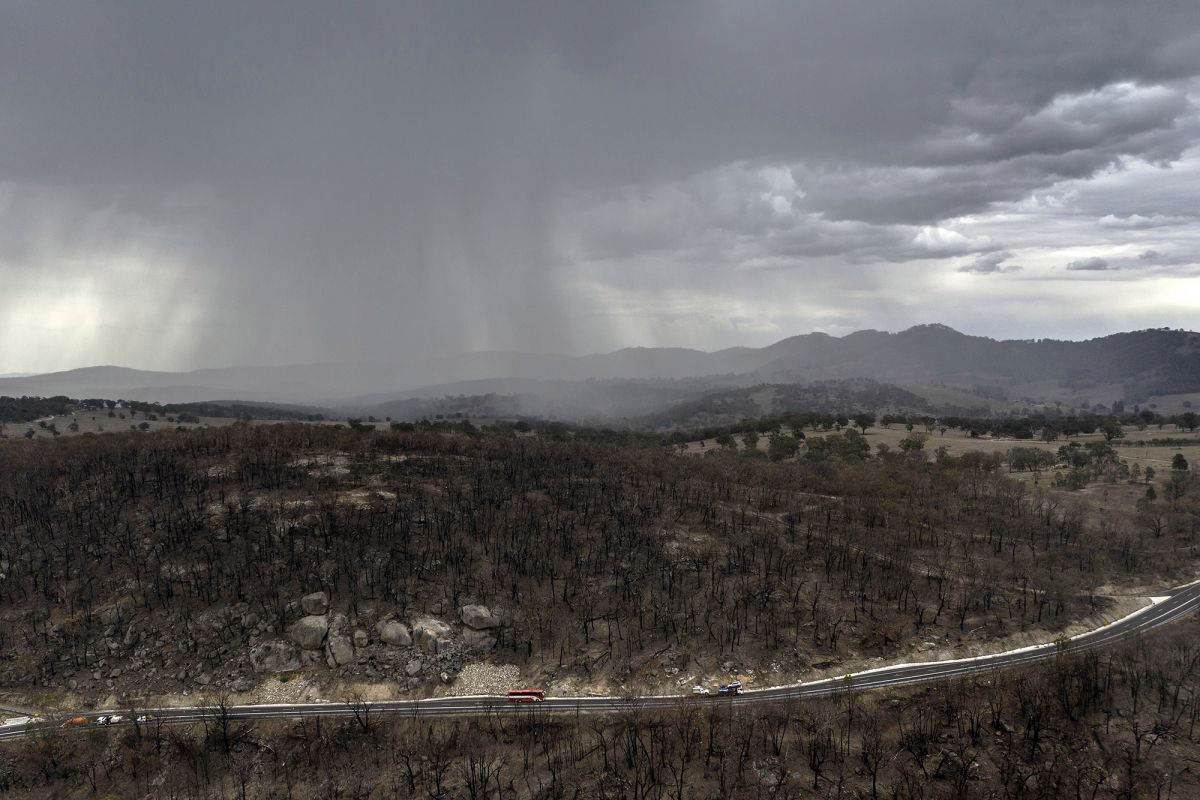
<point>187,185</point>
<point>989,263</point>
<point>1093,264</point>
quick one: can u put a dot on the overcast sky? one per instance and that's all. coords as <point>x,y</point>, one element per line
<point>209,183</point>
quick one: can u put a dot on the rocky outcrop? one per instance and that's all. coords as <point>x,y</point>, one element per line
<point>432,635</point>
<point>478,617</point>
<point>315,604</point>
<point>133,634</point>
<point>117,613</point>
<point>274,656</point>
<point>341,651</point>
<point>360,638</point>
<point>480,641</point>
<point>394,633</point>
<point>309,632</point>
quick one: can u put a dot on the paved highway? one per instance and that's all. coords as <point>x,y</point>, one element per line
<point>1171,606</point>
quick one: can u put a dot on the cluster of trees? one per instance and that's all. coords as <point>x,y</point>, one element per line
<point>795,421</point>
<point>236,410</point>
<point>1052,427</point>
<point>27,409</point>
<point>1084,463</point>
<point>1103,726</point>
<point>1077,465</point>
<point>1045,428</point>
<point>728,407</point>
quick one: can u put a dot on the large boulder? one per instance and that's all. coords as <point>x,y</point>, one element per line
<point>274,656</point>
<point>315,604</point>
<point>432,635</point>
<point>478,617</point>
<point>341,651</point>
<point>480,641</point>
<point>394,633</point>
<point>309,632</point>
<point>133,634</point>
<point>117,613</point>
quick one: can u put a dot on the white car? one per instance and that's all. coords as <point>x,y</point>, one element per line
<point>699,690</point>
<point>104,720</point>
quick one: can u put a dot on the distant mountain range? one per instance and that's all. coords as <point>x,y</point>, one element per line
<point>926,359</point>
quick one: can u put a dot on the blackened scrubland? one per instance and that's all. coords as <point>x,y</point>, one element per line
<point>1102,726</point>
<point>610,561</point>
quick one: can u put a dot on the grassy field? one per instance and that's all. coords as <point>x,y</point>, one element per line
<point>1110,506</point>
<point>1174,403</point>
<point>958,442</point>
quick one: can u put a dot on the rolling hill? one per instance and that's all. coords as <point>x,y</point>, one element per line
<point>1131,366</point>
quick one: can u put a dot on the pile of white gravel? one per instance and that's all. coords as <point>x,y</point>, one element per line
<point>483,678</point>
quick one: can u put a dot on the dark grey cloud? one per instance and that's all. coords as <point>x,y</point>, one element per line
<point>306,181</point>
<point>1117,118</point>
<point>1092,264</point>
<point>989,264</point>
<point>963,168</point>
<point>1171,261</point>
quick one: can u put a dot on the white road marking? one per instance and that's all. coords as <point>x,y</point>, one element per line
<point>1147,618</point>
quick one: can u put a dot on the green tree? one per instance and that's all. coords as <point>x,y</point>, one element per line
<point>1179,463</point>
<point>864,420</point>
<point>1032,459</point>
<point>1111,429</point>
<point>1178,485</point>
<point>780,446</point>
